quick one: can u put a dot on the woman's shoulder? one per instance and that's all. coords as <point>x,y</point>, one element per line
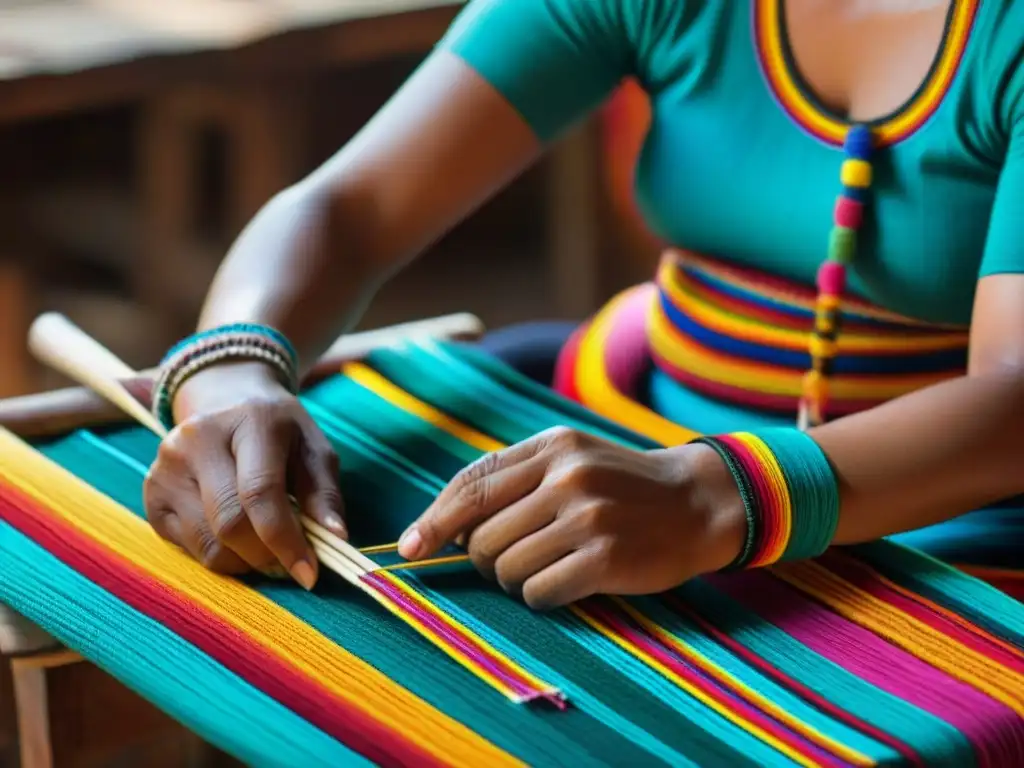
<point>996,57</point>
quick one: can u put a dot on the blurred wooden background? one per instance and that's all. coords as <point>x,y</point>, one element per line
<point>138,136</point>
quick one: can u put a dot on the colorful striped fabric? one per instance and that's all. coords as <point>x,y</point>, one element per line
<point>871,655</point>
<point>742,338</point>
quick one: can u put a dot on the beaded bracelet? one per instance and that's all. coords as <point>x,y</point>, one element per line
<point>239,341</point>
<point>789,491</point>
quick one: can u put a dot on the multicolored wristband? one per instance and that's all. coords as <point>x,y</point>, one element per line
<point>236,342</point>
<point>789,490</point>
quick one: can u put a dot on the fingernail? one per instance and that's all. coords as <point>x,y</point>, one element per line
<point>410,543</point>
<point>275,572</point>
<point>334,524</point>
<point>304,573</point>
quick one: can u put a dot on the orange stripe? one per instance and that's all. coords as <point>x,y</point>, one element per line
<point>768,35</point>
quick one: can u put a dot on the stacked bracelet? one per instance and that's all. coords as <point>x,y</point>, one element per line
<point>789,491</point>
<point>240,341</point>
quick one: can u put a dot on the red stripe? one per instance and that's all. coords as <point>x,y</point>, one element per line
<point>565,368</point>
<point>768,531</point>
<point>715,689</point>
<point>712,294</point>
<point>223,642</point>
<point>967,634</point>
<point>782,404</point>
<point>792,684</point>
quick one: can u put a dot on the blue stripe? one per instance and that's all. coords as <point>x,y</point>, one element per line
<point>925,362</point>
<point>163,668</point>
<point>766,302</point>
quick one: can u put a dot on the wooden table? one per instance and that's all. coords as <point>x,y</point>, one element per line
<point>193,63</point>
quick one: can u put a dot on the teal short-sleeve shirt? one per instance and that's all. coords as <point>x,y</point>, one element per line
<point>742,163</point>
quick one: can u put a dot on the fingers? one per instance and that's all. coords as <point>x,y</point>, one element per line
<point>480,491</point>
<point>566,581</point>
<point>226,519</point>
<point>317,481</point>
<point>494,537</point>
<point>261,461</point>
<point>219,488</point>
<point>195,539</point>
<point>532,554</point>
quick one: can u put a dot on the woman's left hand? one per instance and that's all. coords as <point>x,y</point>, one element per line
<point>565,515</point>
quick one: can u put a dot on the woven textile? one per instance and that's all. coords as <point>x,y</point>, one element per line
<point>870,655</point>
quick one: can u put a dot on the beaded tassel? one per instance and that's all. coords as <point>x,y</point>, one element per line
<point>847,218</point>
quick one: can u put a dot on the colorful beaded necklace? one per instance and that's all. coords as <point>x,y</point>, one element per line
<point>848,216</point>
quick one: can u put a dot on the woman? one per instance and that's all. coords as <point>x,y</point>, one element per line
<point>874,147</point>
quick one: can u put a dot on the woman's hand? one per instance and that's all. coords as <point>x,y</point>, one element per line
<point>220,485</point>
<point>565,515</point>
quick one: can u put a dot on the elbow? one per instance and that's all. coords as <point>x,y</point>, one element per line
<point>1003,398</point>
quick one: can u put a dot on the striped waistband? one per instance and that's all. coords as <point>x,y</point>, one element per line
<point>743,337</point>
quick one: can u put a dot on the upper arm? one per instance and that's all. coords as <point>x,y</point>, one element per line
<point>509,75</point>
<point>997,326</point>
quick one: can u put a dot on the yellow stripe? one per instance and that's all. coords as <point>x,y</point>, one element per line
<point>771,464</point>
<point>294,641</point>
<point>433,610</point>
<point>387,603</point>
<point>763,703</point>
<point>689,300</point>
<point>599,394</point>
<point>792,297</point>
<point>373,381</point>
<point>688,356</point>
<point>901,629</point>
<point>894,129</point>
<point>698,694</point>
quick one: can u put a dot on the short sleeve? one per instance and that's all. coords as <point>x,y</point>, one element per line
<point>1004,246</point>
<point>554,60</point>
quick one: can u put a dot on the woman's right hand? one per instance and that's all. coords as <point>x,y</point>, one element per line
<point>220,485</point>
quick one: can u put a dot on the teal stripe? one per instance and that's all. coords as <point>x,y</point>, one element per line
<point>692,636</point>
<point>427,373</point>
<point>512,380</point>
<point>577,695</point>
<point>159,665</point>
<point>401,430</point>
<point>943,744</point>
<point>665,690</point>
<point>972,598</point>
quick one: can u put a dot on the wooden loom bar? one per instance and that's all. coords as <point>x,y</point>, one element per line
<point>51,413</point>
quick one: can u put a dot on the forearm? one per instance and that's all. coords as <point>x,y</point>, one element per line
<point>927,457</point>
<point>297,267</point>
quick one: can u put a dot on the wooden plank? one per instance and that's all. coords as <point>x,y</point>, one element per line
<point>345,43</point>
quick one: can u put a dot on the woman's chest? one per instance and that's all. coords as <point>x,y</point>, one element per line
<point>733,169</point>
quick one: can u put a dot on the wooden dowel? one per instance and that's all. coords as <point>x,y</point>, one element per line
<point>53,413</point>
<point>430,563</point>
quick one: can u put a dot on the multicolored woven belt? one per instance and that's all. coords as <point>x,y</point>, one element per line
<point>742,337</point>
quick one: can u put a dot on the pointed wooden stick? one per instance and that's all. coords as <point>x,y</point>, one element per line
<point>62,345</point>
